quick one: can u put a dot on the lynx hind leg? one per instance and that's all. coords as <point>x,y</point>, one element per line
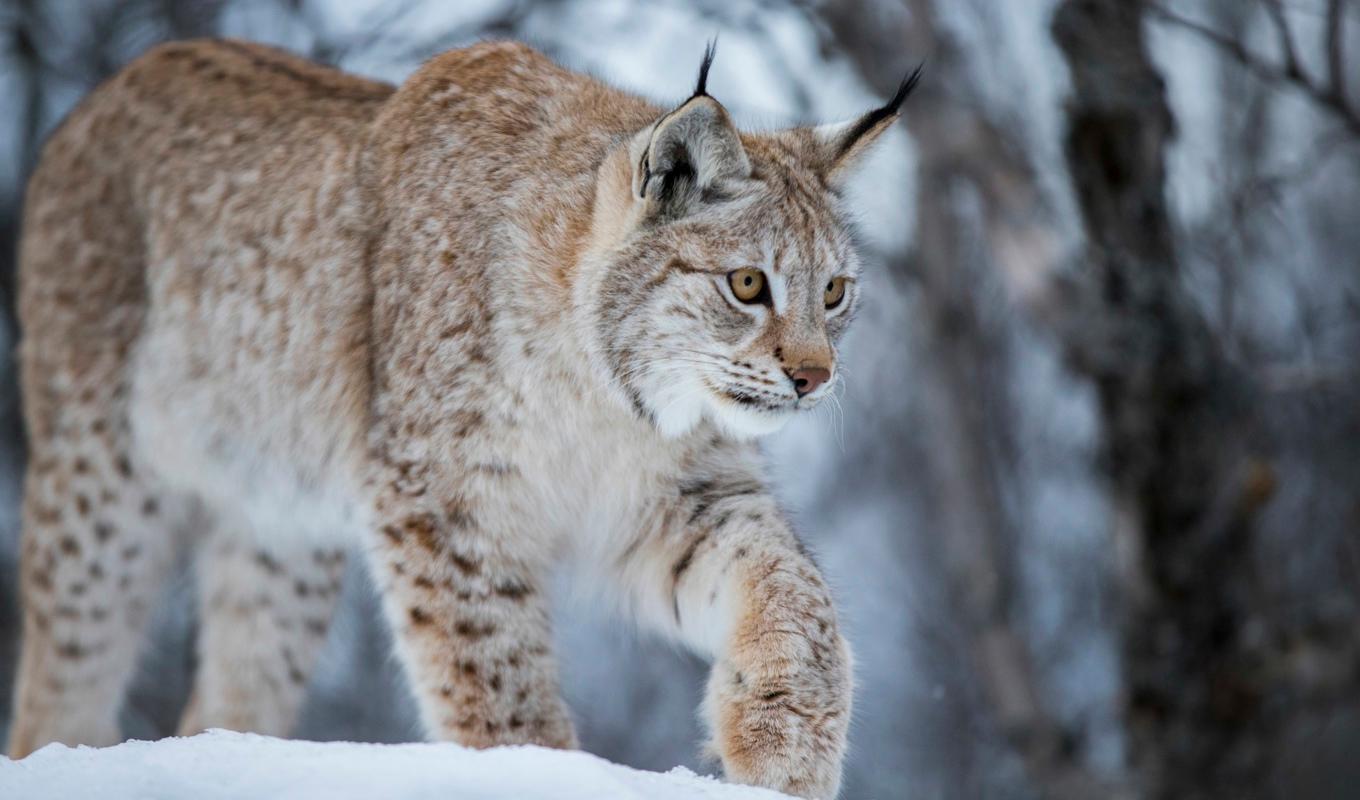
<point>264,617</point>
<point>97,540</point>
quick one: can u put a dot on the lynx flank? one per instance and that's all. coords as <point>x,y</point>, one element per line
<point>496,318</point>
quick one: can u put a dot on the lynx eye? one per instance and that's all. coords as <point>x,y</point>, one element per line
<point>835,292</point>
<point>748,285</point>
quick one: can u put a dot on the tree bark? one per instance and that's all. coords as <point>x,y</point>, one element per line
<point>1201,709</point>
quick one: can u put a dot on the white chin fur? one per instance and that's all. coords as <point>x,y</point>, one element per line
<point>745,423</point>
<point>677,405</point>
<point>680,404</point>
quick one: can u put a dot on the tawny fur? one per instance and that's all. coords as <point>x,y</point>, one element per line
<point>472,327</point>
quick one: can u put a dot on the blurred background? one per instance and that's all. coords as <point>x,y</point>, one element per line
<point>1092,501</point>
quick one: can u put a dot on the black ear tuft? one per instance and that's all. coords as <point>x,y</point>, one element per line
<point>871,120</point>
<point>904,88</point>
<point>701,89</point>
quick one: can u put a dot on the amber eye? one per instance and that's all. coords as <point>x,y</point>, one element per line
<point>835,292</point>
<point>747,284</point>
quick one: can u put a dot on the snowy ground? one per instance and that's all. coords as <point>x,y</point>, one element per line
<point>222,764</point>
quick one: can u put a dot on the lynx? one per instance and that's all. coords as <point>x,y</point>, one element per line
<point>494,320</point>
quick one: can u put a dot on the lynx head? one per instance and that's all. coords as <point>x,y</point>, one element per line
<point>729,275</point>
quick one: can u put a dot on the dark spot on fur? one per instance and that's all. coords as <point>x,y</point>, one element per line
<point>471,630</point>
<point>687,557</point>
<point>460,516</point>
<point>495,683</point>
<point>425,529</point>
<point>69,546</point>
<point>71,650</point>
<point>42,580</point>
<point>420,616</point>
<point>82,505</point>
<point>466,422</point>
<point>103,531</point>
<point>513,590</point>
<point>465,565</point>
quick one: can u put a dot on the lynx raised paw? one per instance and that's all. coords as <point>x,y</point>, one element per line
<point>784,727</point>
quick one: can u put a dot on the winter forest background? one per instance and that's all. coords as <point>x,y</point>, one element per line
<point>1092,507</point>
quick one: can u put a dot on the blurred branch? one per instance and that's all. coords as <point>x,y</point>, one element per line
<point>1275,10</point>
<point>1336,56</point>
<point>1330,97</point>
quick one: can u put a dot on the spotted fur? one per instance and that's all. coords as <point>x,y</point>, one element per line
<point>470,326</point>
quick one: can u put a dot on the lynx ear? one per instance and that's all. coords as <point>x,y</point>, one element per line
<point>844,142</point>
<point>687,154</point>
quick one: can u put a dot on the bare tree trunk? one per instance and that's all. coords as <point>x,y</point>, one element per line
<point>975,185</point>
<point>1178,426</point>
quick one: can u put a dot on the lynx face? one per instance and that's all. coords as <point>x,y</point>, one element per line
<point>731,278</point>
<point>734,313</point>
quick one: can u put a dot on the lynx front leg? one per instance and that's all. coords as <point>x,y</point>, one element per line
<point>723,573</point>
<point>471,625</point>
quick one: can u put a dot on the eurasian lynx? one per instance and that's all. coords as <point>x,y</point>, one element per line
<point>497,317</point>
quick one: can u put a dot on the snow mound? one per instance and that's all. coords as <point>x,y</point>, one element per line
<point>224,764</point>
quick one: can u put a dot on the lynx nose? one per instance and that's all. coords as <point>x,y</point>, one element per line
<point>807,379</point>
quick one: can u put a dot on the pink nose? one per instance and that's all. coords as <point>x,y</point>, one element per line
<point>807,379</point>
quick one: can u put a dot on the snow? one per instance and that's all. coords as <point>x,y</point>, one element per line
<point>224,764</point>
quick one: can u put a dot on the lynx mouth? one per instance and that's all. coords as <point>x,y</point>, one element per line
<point>755,401</point>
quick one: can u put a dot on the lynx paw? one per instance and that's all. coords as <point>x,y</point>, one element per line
<point>783,728</point>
